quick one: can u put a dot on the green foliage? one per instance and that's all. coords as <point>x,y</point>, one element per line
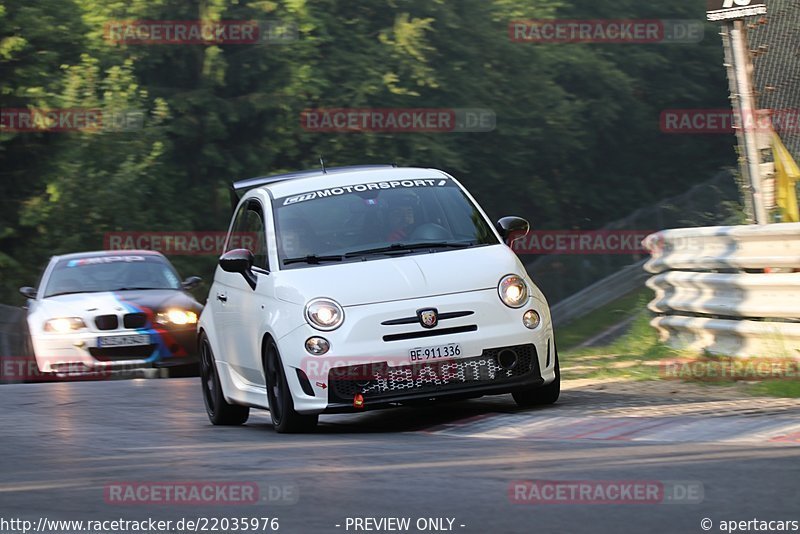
<point>109,180</point>
<point>577,141</point>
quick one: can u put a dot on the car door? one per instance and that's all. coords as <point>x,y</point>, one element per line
<point>218,303</point>
<point>245,304</point>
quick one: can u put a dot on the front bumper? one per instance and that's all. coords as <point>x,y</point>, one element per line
<point>71,353</point>
<point>365,338</point>
<point>381,386</point>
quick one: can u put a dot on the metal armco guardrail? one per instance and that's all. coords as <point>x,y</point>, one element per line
<point>725,247</point>
<point>728,295</point>
<point>14,343</point>
<point>731,290</point>
<point>13,331</point>
<point>731,337</point>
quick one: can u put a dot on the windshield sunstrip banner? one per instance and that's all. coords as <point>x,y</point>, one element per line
<point>96,260</point>
<point>371,186</point>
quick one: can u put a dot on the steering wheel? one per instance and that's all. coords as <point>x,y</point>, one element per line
<point>430,232</point>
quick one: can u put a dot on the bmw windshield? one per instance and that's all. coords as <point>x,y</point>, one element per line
<point>110,273</point>
<point>376,220</point>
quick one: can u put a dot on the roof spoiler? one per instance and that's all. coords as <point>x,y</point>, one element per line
<point>237,188</point>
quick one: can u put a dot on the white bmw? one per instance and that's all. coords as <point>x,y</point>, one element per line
<point>367,287</point>
<point>108,311</point>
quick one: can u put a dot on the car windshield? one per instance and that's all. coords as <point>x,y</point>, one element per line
<point>374,220</point>
<point>111,273</point>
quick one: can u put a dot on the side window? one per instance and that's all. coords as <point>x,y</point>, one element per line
<point>254,232</point>
<point>234,240</point>
<point>248,232</point>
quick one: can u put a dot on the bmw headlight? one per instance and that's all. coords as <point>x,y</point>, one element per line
<point>513,291</point>
<point>324,314</point>
<point>63,325</point>
<point>176,317</point>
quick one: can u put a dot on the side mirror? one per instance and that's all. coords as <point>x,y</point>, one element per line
<point>191,282</point>
<point>28,292</point>
<point>512,228</point>
<point>239,260</point>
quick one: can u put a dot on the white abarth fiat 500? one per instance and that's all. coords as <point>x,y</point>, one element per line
<point>366,287</point>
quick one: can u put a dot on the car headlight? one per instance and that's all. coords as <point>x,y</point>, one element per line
<point>176,317</point>
<point>317,345</point>
<point>324,314</point>
<point>513,291</point>
<point>531,319</point>
<point>62,325</point>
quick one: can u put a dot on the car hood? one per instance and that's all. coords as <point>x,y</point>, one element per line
<point>400,278</point>
<point>116,302</point>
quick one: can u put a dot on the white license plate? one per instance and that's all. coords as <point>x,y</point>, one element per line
<point>421,354</point>
<point>123,341</point>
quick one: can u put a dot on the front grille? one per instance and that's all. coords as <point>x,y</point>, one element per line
<point>375,381</point>
<point>106,322</point>
<point>430,333</point>
<point>134,320</point>
<point>110,354</point>
<point>415,320</point>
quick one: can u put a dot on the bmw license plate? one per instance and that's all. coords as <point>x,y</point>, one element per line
<point>420,354</point>
<point>131,340</point>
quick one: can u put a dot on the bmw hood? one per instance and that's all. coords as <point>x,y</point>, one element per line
<point>399,278</point>
<point>91,304</point>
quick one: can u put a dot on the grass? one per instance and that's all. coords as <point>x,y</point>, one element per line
<point>777,388</point>
<point>639,355</point>
<point>601,319</point>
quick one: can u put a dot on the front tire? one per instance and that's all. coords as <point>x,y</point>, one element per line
<point>541,396</point>
<point>219,411</point>
<point>285,419</point>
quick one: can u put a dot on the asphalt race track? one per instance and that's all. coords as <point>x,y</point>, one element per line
<point>65,444</point>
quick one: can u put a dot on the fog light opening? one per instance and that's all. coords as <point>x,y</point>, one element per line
<point>531,319</point>
<point>317,346</point>
<point>507,359</point>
